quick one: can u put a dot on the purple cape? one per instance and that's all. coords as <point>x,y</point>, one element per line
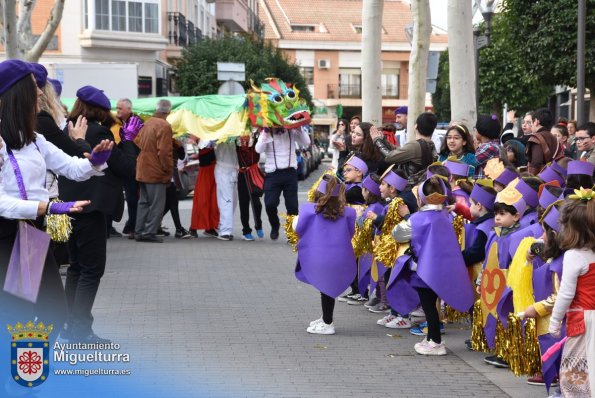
<point>471,229</point>
<point>533,230</point>
<point>325,255</point>
<point>439,259</point>
<point>528,219</point>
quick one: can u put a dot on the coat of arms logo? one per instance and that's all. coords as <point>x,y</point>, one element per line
<point>30,360</point>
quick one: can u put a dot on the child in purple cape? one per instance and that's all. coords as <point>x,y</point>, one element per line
<point>435,256</point>
<point>325,254</point>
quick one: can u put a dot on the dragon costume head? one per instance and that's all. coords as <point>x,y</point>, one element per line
<point>276,104</point>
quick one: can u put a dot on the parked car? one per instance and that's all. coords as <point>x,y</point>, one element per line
<point>187,170</point>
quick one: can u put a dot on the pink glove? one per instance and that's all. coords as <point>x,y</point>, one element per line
<point>130,129</point>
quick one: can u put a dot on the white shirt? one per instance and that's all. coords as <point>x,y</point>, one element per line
<point>576,263</point>
<point>279,148</point>
<point>226,155</point>
<point>33,160</point>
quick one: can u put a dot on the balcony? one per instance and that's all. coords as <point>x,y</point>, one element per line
<point>233,14</point>
<point>355,91</point>
<point>182,33</point>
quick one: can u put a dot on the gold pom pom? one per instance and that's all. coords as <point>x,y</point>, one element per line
<point>451,315</point>
<point>386,249</point>
<point>363,238</point>
<point>292,236</point>
<point>58,226</point>
<point>458,224</point>
<point>478,338</point>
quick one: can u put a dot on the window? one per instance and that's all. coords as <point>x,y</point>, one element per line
<point>350,81</point>
<point>303,28</point>
<point>151,18</point>
<point>102,14</point>
<point>126,15</point>
<point>135,17</point>
<point>119,15</point>
<point>85,15</point>
<point>308,74</point>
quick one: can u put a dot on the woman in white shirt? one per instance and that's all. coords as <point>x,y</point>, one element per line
<point>24,158</point>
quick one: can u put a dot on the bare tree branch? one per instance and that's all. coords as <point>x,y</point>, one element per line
<point>52,24</point>
<point>9,14</point>
<point>25,36</point>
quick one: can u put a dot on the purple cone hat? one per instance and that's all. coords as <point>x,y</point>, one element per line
<point>371,186</point>
<point>529,194</point>
<point>561,170</point>
<point>579,167</point>
<point>358,164</point>
<point>548,174</point>
<point>546,199</point>
<point>482,196</point>
<point>506,176</point>
<point>551,217</point>
<point>456,168</point>
<point>394,180</point>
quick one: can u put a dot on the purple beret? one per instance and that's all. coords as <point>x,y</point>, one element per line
<point>551,218</point>
<point>358,164</point>
<point>371,186</point>
<point>506,176</point>
<point>546,198</point>
<point>40,73</point>
<point>482,196</point>
<point>457,168</point>
<point>548,174</point>
<point>94,96</point>
<point>395,180</point>
<point>11,71</point>
<point>402,110</point>
<point>529,194</point>
<point>57,86</point>
<point>577,167</point>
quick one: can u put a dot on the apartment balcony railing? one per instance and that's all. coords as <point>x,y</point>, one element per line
<point>255,24</point>
<point>182,33</point>
<point>355,91</point>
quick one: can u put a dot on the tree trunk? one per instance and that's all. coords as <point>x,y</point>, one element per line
<point>371,61</point>
<point>25,36</point>
<point>461,63</point>
<point>9,15</point>
<point>418,62</point>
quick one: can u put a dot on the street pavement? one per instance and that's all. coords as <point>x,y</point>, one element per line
<point>228,319</point>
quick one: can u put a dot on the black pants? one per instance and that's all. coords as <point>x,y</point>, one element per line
<point>87,248</point>
<point>280,181</point>
<point>171,204</point>
<point>328,307</point>
<point>245,197</point>
<point>132,196</point>
<point>428,303</point>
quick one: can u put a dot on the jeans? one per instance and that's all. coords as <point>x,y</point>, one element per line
<point>245,198</point>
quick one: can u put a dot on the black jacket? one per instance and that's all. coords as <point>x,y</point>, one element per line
<point>47,127</point>
<point>105,192</point>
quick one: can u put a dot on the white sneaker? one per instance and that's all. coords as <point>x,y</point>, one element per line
<point>399,323</point>
<point>387,318</point>
<point>316,321</point>
<point>322,328</point>
<point>426,347</point>
<point>418,313</point>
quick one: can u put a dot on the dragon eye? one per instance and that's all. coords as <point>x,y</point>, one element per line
<point>277,98</point>
<point>290,94</point>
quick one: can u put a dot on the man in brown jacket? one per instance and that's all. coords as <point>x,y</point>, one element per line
<point>542,146</point>
<point>153,172</point>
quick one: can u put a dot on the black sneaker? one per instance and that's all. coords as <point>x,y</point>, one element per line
<point>495,361</point>
<point>182,234</point>
<point>469,345</point>
<point>113,233</point>
<point>225,237</point>
<point>127,230</point>
<point>210,233</point>
<point>161,232</point>
<point>193,233</point>
<point>275,233</point>
<point>149,238</point>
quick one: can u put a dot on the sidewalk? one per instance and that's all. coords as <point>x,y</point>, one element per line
<point>230,318</point>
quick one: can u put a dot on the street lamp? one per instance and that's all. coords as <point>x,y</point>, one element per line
<point>487,9</point>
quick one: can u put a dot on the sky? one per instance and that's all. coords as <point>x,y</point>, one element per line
<point>438,10</point>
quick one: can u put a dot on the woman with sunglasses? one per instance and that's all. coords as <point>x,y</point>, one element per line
<point>458,145</point>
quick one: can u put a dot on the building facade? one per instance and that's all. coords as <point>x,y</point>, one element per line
<point>324,39</point>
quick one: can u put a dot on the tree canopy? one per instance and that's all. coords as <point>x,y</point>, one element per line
<point>196,73</point>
